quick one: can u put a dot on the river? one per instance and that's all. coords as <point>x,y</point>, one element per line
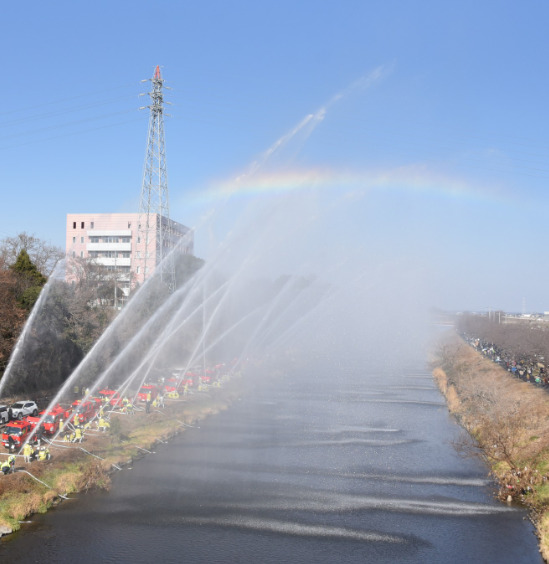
<point>340,463</point>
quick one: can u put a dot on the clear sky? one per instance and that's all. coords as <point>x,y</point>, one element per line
<point>434,112</point>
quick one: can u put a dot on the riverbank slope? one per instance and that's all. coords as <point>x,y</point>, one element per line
<point>506,424</point>
<point>73,468</point>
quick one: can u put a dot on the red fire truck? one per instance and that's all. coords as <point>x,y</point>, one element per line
<point>110,396</point>
<point>14,434</point>
<point>53,417</point>
<point>85,410</point>
<point>144,391</point>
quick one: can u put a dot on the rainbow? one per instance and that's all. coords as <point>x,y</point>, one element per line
<point>416,180</point>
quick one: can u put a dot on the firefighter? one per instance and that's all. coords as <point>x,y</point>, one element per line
<point>11,461</point>
<point>77,435</point>
<point>39,434</point>
<point>160,399</point>
<point>27,452</point>
<point>61,423</point>
<point>148,403</point>
<point>44,454</point>
<point>126,405</point>
<point>103,425</point>
<point>5,467</point>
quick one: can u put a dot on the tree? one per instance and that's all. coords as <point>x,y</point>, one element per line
<point>29,280</point>
<point>42,254</point>
<point>12,317</point>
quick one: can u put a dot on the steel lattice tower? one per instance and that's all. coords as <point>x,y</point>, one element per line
<point>154,208</point>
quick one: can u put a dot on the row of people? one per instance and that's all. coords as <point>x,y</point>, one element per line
<point>30,453</point>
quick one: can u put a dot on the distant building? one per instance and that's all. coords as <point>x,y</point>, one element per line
<point>115,241</point>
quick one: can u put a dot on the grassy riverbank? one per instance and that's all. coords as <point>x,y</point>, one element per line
<point>72,470</point>
<point>506,420</point>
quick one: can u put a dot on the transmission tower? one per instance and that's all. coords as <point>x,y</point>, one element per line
<point>155,230</point>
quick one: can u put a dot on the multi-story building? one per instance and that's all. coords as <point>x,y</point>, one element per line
<point>117,242</point>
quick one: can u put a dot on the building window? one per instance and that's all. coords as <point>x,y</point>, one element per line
<point>82,225</point>
<point>81,239</point>
<point>129,224</point>
<point>91,225</point>
<point>137,270</point>
<point>139,239</point>
<point>94,239</point>
<point>74,239</point>
<point>74,224</point>
<point>73,254</point>
<point>81,254</point>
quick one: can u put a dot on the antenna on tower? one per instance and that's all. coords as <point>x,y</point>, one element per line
<point>155,226</point>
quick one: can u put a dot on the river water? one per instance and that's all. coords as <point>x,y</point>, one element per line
<point>347,463</point>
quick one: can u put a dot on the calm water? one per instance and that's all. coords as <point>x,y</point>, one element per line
<point>346,464</point>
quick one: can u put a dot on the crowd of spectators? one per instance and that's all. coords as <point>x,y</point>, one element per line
<point>528,368</point>
<point>522,348</point>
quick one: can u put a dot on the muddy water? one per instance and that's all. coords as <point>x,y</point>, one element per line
<point>320,465</point>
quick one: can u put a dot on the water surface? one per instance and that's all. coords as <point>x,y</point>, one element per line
<point>325,464</point>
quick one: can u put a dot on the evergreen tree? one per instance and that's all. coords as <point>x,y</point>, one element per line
<point>29,280</point>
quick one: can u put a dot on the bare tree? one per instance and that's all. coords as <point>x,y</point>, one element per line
<point>42,254</point>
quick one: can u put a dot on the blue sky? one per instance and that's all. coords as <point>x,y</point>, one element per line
<point>435,111</point>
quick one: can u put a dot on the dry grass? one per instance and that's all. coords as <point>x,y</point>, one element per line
<point>508,420</point>
<point>543,532</point>
<point>440,378</point>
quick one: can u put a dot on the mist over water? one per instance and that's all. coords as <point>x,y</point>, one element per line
<point>339,449</point>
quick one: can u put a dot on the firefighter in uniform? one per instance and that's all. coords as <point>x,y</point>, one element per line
<point>27,452</point>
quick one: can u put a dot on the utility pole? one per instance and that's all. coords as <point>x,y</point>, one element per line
<point>154,228</point>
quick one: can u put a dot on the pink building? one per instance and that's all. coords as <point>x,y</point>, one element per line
<point>116,241</point>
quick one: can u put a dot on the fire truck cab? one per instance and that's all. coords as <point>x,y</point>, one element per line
<point>53,417</point>
<point>15,434</point>
<point>85,410</point>
<point>110,396</point>
<point>145,389</point>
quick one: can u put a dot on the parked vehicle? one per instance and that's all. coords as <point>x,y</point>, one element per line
<point>145,390</point>
<point>53,417</point>
<point>85,410</point>
<point>4,414</point>
<point>110,396</point>
<point>32,420</point>
<point>15,434</point>
<point>20,409</point>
